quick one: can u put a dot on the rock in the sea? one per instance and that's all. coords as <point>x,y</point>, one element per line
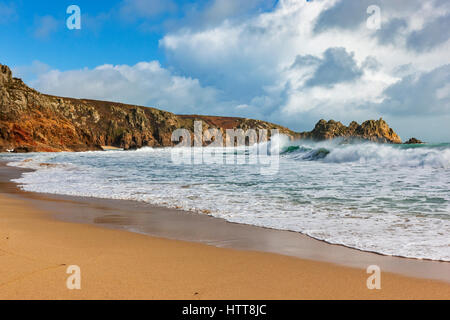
<point>413,141</point>
<point>371,130</point>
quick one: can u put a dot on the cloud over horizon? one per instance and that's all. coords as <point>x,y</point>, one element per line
<point>145,83</point>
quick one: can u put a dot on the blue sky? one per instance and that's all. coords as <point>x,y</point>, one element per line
<point>290,61</point>
<point>113,32</point>
<point>106,36</point>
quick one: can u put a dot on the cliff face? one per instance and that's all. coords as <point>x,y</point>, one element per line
<point>32,121</point>
<point>371,130</point>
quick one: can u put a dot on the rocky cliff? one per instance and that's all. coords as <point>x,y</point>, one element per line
<point>32,121</point>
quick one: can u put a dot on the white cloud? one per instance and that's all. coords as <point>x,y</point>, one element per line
<point>32,71</point>
<point>145,83</point>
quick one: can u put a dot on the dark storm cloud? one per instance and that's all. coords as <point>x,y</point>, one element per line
<point>336,66</point>
<point>349,14</point>
<point>390,31</point>
<point>307,60</point>
<point>345,14</point>
<point>442,4</point>
<point>423,94</point>
<point>431,35</point>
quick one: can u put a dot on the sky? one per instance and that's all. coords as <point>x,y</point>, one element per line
<point>291,62</point>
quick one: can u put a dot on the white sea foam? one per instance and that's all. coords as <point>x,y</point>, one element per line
<point>373,153</point>
<point>389,199</point>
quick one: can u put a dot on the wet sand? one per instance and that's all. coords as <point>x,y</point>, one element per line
<point>40,235</point>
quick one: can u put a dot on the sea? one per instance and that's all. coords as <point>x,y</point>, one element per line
<point>383,198</point>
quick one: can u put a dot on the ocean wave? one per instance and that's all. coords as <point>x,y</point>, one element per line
<point>39,164</point>
<point>144,149</point>
<point>436,156</point>
<point>390,155</point>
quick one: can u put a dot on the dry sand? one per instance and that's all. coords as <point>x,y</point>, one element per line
<point>35,251</point>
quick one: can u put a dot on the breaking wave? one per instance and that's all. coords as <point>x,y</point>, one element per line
<point>437,156</point>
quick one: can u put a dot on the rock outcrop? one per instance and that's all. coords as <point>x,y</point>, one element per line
<point>413,141</point>
<point>32,121</point>
<point>370,130</point>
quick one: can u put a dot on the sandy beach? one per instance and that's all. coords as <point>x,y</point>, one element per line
<point>36,249</point>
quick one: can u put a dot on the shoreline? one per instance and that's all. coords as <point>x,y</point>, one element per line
<point>300,254</point>
<point>176,224</point>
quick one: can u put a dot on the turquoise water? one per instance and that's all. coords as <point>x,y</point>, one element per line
<point>391,199</point>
